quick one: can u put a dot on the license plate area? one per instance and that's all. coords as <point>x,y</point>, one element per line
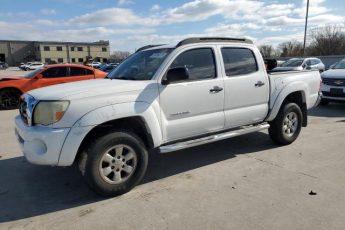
<point>336,91</point>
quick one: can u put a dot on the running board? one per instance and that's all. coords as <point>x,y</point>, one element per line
<point>213,138</point>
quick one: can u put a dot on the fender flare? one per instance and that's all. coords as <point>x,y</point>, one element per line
<point>105,114</point>
<point>298,86</point>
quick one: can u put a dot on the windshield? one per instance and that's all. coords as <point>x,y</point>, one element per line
<point>140,66</point>
<point>340,65</point>
<point>33,73</point>
<point>293,63</point>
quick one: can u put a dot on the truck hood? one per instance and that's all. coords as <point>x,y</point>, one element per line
<point>88,89</point>
<point>334,73</point>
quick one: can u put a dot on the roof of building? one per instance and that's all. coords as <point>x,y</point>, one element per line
<point>100,42</point>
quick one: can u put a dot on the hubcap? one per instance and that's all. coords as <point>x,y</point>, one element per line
<point>290,124</point>
<point>118,164</point>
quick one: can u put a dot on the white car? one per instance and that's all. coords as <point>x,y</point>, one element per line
<point>301,64</point>
<point>333,84</point>
<point>94,64</point>
<point>33,66</point>
<point>164,98</point>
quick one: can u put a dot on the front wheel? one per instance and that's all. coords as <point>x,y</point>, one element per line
<point>285,128</point>
<point>115,163</point>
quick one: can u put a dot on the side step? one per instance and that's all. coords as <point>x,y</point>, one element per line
<point>213,138</point>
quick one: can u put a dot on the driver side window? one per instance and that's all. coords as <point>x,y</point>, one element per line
<point>200,63</point>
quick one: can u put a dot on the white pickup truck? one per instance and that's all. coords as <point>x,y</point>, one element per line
<point>164,98</point>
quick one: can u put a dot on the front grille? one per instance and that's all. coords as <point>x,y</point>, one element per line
<point>23,110</point>
<point>334,81</point>
<point>329,94</point>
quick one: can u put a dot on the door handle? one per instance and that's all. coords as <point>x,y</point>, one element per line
<point>216,89</point>
<point>259,84</point>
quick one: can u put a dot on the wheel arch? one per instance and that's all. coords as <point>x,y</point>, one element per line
<point>293,94</point>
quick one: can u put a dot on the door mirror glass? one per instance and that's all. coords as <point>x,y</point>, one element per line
<point>176,74</point>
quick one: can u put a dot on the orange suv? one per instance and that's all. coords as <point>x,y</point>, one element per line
<point>11,87</point>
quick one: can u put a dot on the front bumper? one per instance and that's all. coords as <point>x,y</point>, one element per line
<point>40,145</point>
<point>328,96</point>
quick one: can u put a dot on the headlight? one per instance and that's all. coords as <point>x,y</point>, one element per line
<point>49,112</point>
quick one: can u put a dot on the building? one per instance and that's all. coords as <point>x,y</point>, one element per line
<point>14,52</point>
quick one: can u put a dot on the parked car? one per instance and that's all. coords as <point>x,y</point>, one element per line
<point>23,66</point>
<point>11,87</point>
<point>94,64</point>
<point>33,66</point>
<point>333,84</point>
<point>3,65</point>
<point>301,64</point>
<point>333,65</point>
<point>107,68</point>
<point>165,98</point>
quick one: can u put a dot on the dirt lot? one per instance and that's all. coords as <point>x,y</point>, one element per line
<point>241,183</point>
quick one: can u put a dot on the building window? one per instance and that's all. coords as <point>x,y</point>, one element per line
<point>105,60</point>
<point>80,48</point>
<point>59,48</point>
<point>104,49</point>
<point>73,60</point>
<point>80,60</point>
<point>46,48</point>
<point>48,60</point>
<point>72,48</point>
<point>60,60</point>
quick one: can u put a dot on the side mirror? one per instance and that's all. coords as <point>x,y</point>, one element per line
<point>308,67</point>
<point>176,74</point>
<point>37,76</point>
<point>304,66</point>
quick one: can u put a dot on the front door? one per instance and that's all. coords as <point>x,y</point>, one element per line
<point>192,107</point>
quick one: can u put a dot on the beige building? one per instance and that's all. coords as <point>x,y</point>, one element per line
<point>15,52</point>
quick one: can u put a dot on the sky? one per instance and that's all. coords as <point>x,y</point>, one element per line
<point>130,24</point>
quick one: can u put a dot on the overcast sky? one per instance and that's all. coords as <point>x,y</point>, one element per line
<point>129,24</point>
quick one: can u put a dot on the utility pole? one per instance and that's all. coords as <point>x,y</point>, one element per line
<point>305,27</point>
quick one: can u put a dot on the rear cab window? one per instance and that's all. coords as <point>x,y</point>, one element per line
<point>238,61</point>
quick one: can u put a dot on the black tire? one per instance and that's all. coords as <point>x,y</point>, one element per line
<point>9,99</point>
<point>93,163</point>
<point>279,127</point>
<point>324,102</point>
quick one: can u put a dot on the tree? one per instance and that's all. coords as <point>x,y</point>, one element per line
<point>291,48</point>
<point>119,56</point>
<point>267,51</point>
<point>327,40</point>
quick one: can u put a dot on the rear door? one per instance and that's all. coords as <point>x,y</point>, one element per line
<point>246,86</point>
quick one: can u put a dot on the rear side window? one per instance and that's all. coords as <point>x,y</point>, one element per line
<point>239,61</point>
<point>199,62</point>
<point>76,71</point>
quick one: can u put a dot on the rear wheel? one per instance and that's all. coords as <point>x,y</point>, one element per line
<point>285,128</point>
<point>115,163</point>
<point>9,99</point>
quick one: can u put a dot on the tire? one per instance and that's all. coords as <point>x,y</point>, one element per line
<point>285,128</point>
<point>323,102</point>
<point>9,99</point>
<point>114,163</point>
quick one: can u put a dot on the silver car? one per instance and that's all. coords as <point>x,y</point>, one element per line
<point>333,84</point>
<point>301,64</point>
